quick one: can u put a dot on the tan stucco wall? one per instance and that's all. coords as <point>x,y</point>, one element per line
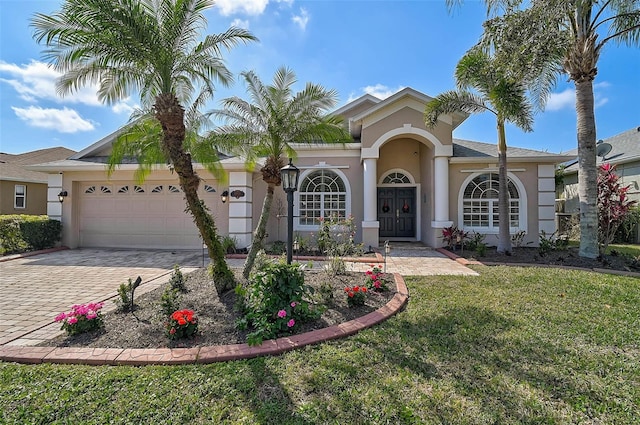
<point>528,177</point>
<point>372,131</point>
<point>36,200</point>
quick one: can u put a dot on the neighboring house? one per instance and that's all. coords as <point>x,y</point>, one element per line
<point>621,150</point>
<point>23,191</point>
<point>397,179</point>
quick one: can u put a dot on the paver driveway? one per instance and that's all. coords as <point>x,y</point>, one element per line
<point>33,290</point>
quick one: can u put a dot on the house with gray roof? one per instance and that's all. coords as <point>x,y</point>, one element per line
<point>621,150</point>
<point>398,180</point>
<point>24,191</point>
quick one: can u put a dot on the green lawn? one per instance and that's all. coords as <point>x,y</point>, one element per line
<point>632,250</point>
<point>514,345</point>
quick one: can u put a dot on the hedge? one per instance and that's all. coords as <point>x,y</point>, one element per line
<point>20,233</point>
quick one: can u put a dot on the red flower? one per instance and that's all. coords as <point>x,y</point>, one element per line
<point>350,294</point>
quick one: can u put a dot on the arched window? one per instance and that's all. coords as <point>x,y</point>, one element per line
<point>322,193</point>
<point>480,205</point>
<point>395,177</point>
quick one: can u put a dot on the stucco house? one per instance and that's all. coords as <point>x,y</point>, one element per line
<point>24,191</point>
<point>398,180</point>
<point>621,150</point>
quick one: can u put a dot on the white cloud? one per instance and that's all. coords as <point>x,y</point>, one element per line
<point>564,99</point>
<point>249,7</point>
<point>239,23</point>
<point>124,107</point>
<point>63,120</point>
<point>302,19</point>
<point>379,90</point>
<point>37,80</point>
<point>288,3</point>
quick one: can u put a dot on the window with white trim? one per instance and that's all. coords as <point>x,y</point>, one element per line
<point>480,210</point>
<point>322,193</point>
<point>20,196</point>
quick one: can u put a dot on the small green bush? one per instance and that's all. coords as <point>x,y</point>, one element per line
<point>169,301</point>
<point>20,233</point>
<point>275,302</point>
<point>177,280</point>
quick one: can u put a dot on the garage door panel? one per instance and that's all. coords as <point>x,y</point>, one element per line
<point>135,218</point>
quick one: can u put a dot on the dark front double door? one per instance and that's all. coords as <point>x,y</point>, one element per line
<point>397,212</point>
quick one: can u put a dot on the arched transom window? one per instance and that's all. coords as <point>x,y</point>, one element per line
<point>480,204</point>
<point>396,178</point>
<point>322,194</point>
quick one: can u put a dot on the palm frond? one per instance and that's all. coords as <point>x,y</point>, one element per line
<point>451,102</point>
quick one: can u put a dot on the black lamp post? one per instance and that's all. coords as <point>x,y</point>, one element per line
<point>289,175</point>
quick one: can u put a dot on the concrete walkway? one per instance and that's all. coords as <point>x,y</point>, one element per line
<point>35,289</point>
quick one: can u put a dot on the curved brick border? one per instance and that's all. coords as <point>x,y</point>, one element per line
<point>466,262</point>
<point>171,356</point>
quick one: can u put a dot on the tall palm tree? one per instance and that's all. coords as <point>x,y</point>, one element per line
<point>270,124</point>
<point>588,25</point>
<point>496,92</point>
<point>152,47</point>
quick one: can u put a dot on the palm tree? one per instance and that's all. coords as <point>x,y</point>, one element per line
<point>270,124</point>
<point>493,91</point>
<point>588,26</point>
<point>152,47</point>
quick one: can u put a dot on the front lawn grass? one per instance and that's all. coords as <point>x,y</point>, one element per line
<point>511,346</point>
<point>632,250</point>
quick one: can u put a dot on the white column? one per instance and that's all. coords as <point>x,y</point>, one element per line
<point>546,198</point>
<point>241,208</point>
<point>370,224</point>
<point>441,192</point>
<point>54,207</point>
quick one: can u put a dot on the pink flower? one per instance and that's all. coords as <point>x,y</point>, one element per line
<point>72,320</point>
<point>293,304</point>
<point>172,331</point>
<point>282,314</point>
<point>60,317</point>
<point>290,323</point>
<point>91,315</point>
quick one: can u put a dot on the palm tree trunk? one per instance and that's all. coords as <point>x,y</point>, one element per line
<point>587,170</point>
<point>261,232</point>
<point>171,116</point>
<point>504,223</point>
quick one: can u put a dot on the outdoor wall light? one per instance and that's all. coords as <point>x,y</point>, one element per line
<point>62,195</point>
<point>224,196</point>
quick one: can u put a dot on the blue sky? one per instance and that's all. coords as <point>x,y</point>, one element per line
<point>355,47</point>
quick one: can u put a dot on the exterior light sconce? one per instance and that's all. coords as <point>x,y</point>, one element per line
<point>62,195</point>
<point>224,196</point>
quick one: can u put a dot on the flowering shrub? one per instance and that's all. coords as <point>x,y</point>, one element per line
<point>613,205</point>
<point>374,279</point>
<point>82,318</point>
<point>274,302</point>
<point>355,295</point>
<point>182,324</point>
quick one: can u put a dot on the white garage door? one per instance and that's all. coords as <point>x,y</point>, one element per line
<point>137,216</point>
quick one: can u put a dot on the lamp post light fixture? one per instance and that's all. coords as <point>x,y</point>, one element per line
<point>289,175</point>
<point>63,194</point>
<point>387,251</point>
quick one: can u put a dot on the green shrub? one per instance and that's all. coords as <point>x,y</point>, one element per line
<point>275,302</point>
<point>177,280</point>
<point>169,301</point>
<point>125,295</point>
<point>20,233</point>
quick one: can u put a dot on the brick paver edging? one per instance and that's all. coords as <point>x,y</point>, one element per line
<point>31,253</point>
<point>466,262</point>
<point>203,355</point>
